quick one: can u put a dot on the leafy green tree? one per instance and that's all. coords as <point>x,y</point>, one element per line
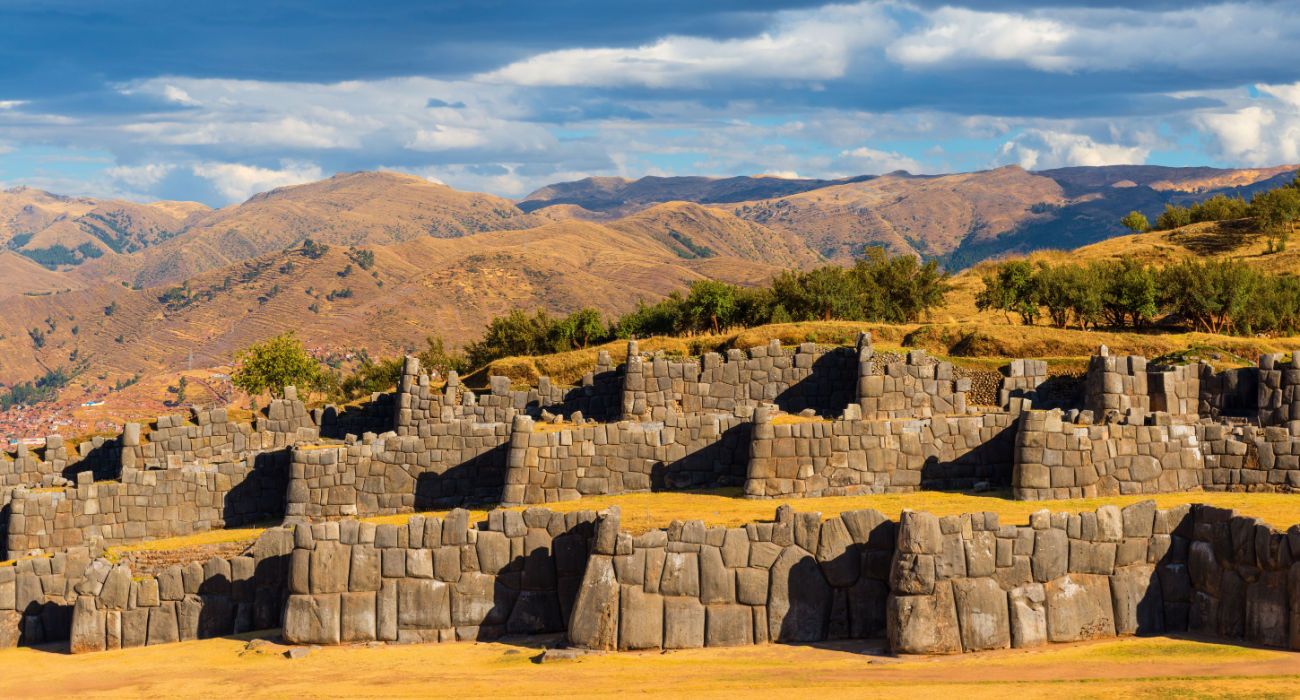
<point>1010,287</point>
<point>274,364</point>
<point>1128,292</point>
<point>1277,210</point>
<point>665,317</point>
<point>437,356</point>
<point>820,294</point>
<point>1173,217</point>
<point>182,389</point>
<point>1136,222</point>
<point>903,288</point>
<point>579,329</point>
<point>710,304</point>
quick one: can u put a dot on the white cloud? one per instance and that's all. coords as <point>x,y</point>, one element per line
<point>140,177</point>
<point>869,161</point>
<point>174,94</point>
<point>443,138</point>
<point>12,104</point>
<point>1040,149</point>
<point>960,34</point>
<point>800,45</point>
<point>238,182</point>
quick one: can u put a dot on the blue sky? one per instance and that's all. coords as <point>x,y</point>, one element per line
<point>146,99</point>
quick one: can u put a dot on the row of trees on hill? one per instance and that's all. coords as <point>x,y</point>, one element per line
<point>880,287</point>
<point>1274,211</point>
<point>1212,296</point>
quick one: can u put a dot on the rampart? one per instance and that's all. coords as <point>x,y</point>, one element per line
<point>852,456</point>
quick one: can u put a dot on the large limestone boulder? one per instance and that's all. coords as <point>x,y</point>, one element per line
<point>594,622</point>
<point>981,614</point>
<point>923,624</point>
<point>799,599</point>
<point>1137,600</point>
<point>1079,608</point>
<point>1028,615</point>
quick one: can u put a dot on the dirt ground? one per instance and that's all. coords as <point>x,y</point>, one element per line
<point>230,668</point>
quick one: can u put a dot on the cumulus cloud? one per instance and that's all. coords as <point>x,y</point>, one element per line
<point>1261,131</point>
<point>870,161</point>
<point>238,182</point>
<point>140,177</point>
<point>958,33</point>
<point>1038,149</point>
<point>805,45</point>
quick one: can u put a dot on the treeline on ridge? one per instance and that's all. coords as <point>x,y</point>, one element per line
<point>1214,296</point>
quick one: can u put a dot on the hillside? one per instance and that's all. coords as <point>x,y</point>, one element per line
<point>451,287</point>
<point>693,232</point>
<point>928,216</point>
<point>621,196</point>
<point>368,208</point>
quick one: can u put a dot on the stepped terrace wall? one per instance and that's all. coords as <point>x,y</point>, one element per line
<point>1055,458</point>
<point>964,584</point>
<point>692,451</point>
<point>37,595</point>
<point>916,387</point>
<point>809,376</point>
<point>436,580</point>
<point>452,463</point>
<point>115,610</point>
<point>148,505</point>
<point>851,456</point>
<point>1279,389</point>
<point>794,580</point>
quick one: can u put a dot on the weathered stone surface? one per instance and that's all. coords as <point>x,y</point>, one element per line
<point>799,598</point>
<point>308,619</point>
<point>981,614</point>
<point>1079,608</point>
<point>1051,556</point>
<point>717,582</point>
<point>640,619</point>
<point>841,562</point>
<point>912,574</point>
<point>681,575</point>
<point>1137,601</point>
<point>1028,615</point>
<point>924,624</point>
<point>729,626</point>
<point>423,604</point>
<point>330,567</point>
<point>594,622</point>
<point>359,617</point>
<point>87,627</point>
<point>1267,617</point>
<point>919,533</point>
<point>683,623</point>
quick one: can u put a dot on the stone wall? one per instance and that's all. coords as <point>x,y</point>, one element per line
<point>37,595</point>
<point>1020,383</point>
<point>450,463</point>
<point>852,456</point>
<point>1279,389</point>
<point>810,376</point>
<point>550,463</point>
<point>435,580</point>
<point>1116,386</point>
<point>1250,458</point>
<point>962,583</point>
<point>794,580</point>
<point>148,504</point>
<point>917,387</point>
<point>1055,458</point>
<point>1176,391</point>
<point>115,610</point>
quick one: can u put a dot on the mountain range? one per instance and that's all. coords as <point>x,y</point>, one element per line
<point>122,289</point>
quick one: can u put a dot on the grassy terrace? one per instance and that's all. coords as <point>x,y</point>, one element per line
<point>227,667</point>
<point>647,511</point>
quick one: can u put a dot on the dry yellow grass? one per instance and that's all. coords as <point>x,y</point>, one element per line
<point>226,668</point>
<point>725,507</point>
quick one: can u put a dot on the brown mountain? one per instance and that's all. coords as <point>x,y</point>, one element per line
<point>446,286</point>
<point>620,196</point>
<point>929,216</point>
<point>367,208</point>
<point>693,231</point>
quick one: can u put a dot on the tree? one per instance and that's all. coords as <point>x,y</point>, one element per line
<point>905,288</point>
<point>579,329</point>
<point>1136,222</point>
<point>182,385</point>
<point>1276,211</point>
<point>1173,217</point>
<point>274,364</point>
<point>1010,286</point>
<point>819,294</point>
<point>711,301</point>
<point>1128,292</point>
<point>436,356</point>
